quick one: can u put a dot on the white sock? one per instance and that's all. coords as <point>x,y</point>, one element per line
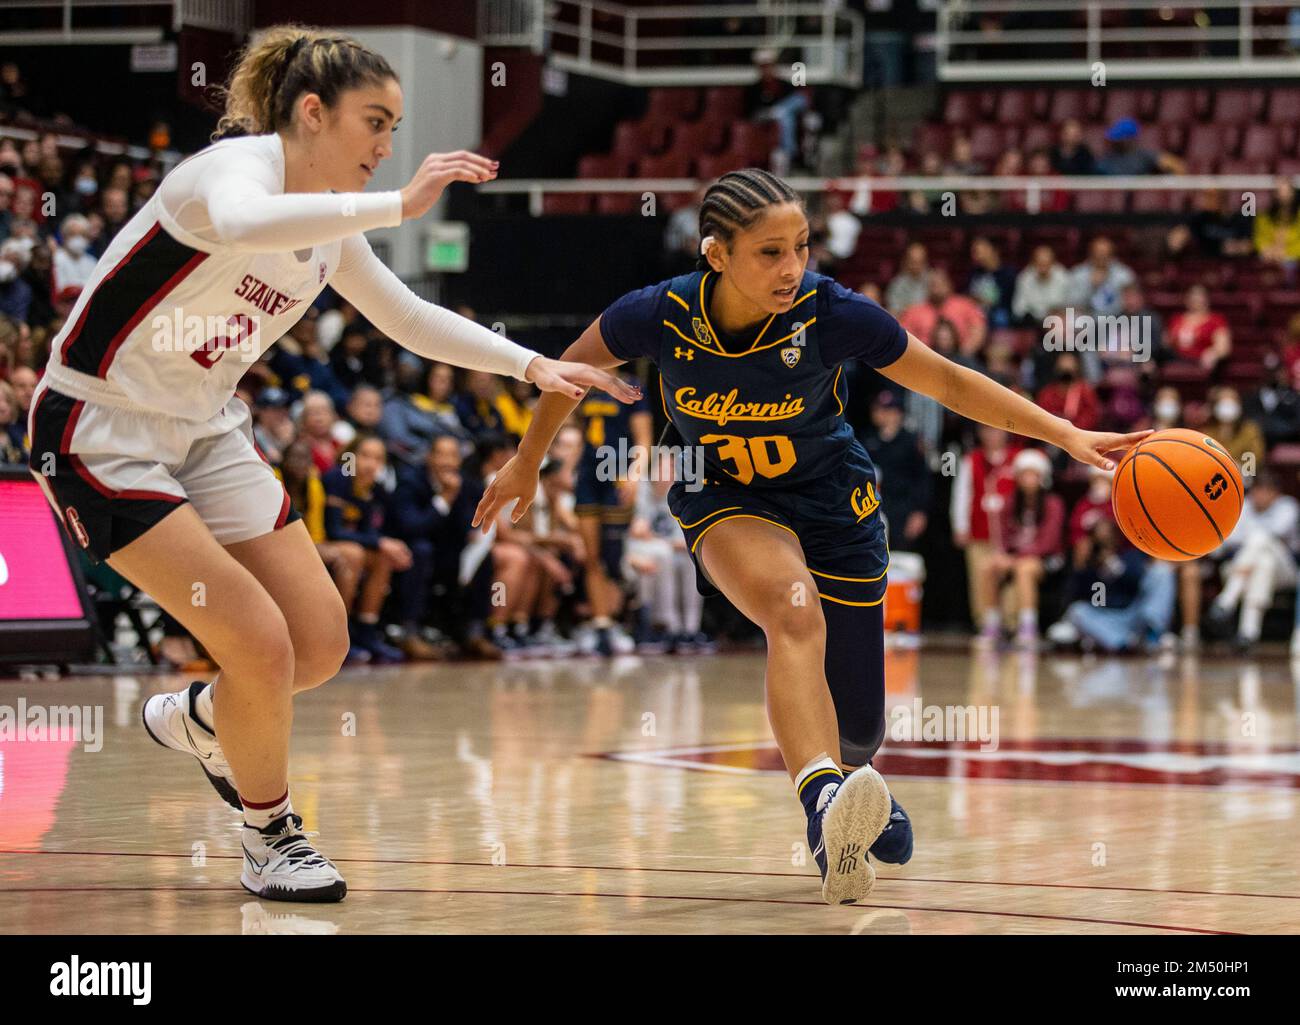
<point>1029,617</point>
<point>992,620</point>
<point>261,817</point>
<point>1252,619</point>
<point>827,774</point>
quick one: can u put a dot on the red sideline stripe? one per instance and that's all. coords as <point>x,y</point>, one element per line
<point>186,270</point>
<point>76,330</point>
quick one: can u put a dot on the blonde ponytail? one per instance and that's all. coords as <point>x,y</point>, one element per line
<point>284,62</point>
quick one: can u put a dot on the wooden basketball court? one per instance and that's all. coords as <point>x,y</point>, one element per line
<point>644,795</point>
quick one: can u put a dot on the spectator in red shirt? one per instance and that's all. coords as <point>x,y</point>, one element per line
<point>316,426</point>
<point>1070,396</point>
<point>1199,335</point>
<point>1026,534</point>
<point>982,486</point>
<point>1093,506</point>
<point>966,314</point>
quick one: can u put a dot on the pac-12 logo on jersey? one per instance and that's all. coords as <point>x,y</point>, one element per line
<point>790,356</point>
<point>702,332</point>
<point>77,527</point>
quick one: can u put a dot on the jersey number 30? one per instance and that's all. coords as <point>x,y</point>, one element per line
<point>751,455</point>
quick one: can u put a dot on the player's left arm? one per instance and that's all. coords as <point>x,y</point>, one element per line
<point>973,395</point>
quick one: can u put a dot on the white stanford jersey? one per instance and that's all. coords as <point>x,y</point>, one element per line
<point>218,264</point>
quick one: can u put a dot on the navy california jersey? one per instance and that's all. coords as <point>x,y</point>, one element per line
<point>766,408</point>
<point>606,421</point>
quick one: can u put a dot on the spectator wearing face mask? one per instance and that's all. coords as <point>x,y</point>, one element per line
<point>85,186</point>
<point>1166,409</point>
<point>1070,396</point>
<point>1241,438</point>
<point>15,292</point>
<point>73,263</point>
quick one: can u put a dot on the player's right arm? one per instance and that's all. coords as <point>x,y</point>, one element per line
<point>517,480</point>
<point>628,329</point>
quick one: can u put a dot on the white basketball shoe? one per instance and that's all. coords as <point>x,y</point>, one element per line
<point>169,720</point>
<point>280,863</point>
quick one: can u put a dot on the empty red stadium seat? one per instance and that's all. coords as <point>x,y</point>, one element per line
<point>566,203</point>
<point>1110,201</point>
<point>617,202</point>
<point>1015,107</point>
<point>1259,143</point>
<point>755,140</point>
<point>667,165</point>
<point>1175,105</point>
<point>961,107</point>
<point>1210,142</point>
<point>1121,102</point>
<point>1071,103</point>
<point>715,165</point>
<point>1284,106</point>
<point>1235,106</point>
<point>696,138</point>
<point>987,142</point>
<point>724,101</point>
<point>595,165</point>
<point>676,104</point>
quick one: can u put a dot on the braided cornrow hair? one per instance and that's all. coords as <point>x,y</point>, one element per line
<point>286,61</point>
<point>735,202</point>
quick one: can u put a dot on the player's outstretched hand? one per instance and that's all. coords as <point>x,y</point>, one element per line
<point>573,379</point>
<point>437,172</point>
<point>517,480</point>
<point>1092,447</point>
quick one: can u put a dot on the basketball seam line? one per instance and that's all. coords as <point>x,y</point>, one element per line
<point>1191,494</point>
<point>1137,493</point>
<point>1228,466</point>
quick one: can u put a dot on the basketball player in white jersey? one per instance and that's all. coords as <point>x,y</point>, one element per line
<point>146,453</point>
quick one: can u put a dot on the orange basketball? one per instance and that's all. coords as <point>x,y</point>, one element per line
<point>1177,495</point>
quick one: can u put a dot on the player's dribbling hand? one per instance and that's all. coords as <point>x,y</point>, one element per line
<point>1092,447</point>
<point>439,170</point>
<point>573,379</point>
<point>514,482</point>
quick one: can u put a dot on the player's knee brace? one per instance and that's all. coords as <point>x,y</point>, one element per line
<point>855,670</point>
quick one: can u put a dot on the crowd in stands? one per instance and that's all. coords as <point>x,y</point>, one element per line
<point>386,455</point>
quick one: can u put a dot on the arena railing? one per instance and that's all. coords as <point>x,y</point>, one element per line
<point>536,189</point>
<point>1196,40</point>
<point>645,45</point>
<point>233,16</point>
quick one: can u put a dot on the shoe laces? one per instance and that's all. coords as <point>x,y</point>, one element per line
<point>293,843</point>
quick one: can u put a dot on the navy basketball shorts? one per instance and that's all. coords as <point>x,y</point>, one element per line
<point>593,496</point>
<point>835,518</point>
<point>113,471</point>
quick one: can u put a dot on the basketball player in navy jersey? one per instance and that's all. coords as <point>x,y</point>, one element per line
<point>601,505</point>
<point>750,350</point>
<point>148,456</point>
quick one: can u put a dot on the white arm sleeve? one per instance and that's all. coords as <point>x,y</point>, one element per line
<point>233,197</point>
<point>425,329</point>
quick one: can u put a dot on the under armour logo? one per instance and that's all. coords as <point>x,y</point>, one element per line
<point>848,859</point>
<point>681,353</point>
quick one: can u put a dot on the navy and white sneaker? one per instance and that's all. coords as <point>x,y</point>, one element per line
<point>169,720</point>
<point>849,818</point>
<point>894,845</point>
<point>280,863</point>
